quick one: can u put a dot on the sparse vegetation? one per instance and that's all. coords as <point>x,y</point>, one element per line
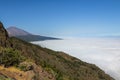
<point>64,66</point>
<point>2,77</point>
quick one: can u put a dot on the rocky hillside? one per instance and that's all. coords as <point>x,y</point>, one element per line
<point>32,62</point>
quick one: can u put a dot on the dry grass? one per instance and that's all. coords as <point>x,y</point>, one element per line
<point>17,74</point>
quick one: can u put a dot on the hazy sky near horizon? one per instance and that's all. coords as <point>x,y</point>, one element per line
<point>70,18</point>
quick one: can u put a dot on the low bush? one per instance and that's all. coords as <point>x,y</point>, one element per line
<point>10,57</point>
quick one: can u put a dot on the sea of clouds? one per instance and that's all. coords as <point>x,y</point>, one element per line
<point>104,52</point>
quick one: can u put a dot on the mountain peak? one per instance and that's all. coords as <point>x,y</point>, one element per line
<point>3,35</point>
<point>26,36</point>
<point>14,31</point>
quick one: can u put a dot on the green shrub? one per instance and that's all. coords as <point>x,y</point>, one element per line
<point>4,78</point>
<point>10,57</point>
<point>26,66</point>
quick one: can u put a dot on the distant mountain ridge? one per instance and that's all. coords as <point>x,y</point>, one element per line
<point>14,31</point>
<point>26,36</point>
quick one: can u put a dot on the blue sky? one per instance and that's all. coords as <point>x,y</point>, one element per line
<point>63,18</point>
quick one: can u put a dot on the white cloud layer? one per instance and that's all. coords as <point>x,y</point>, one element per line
<point>104,52</point>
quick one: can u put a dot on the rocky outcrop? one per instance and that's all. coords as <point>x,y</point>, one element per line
<point>35,73</point>
<point>3,36</point>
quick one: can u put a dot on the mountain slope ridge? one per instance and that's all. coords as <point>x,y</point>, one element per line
<point>59,65</point>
